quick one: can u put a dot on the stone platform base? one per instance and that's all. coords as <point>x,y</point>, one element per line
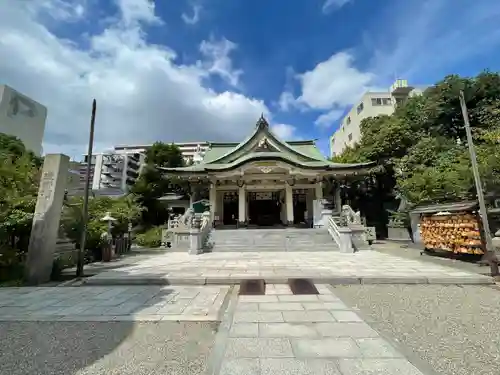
<point>367,267</point>
<point>159,280</point>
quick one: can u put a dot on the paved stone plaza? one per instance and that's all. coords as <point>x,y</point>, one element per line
<point>367,267</point>
<point>114,303</point>
<point>281,333</point>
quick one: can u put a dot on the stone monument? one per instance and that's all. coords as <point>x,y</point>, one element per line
<point>45,227</point>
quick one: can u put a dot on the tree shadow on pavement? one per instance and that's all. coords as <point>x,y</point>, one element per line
<point>105,347</point>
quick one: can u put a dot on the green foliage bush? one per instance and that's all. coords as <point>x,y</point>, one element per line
<point>423,144</point>
<point>151,238</point>
<point>125,210</point>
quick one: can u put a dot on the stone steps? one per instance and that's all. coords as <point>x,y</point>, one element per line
<point>241,240</point>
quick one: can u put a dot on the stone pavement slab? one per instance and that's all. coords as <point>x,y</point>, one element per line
<point>310,334</point>
<point>365,267</point>
<point>112,303</point>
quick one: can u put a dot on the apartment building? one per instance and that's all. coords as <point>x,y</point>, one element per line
<point>371,104</point>
<point>23,118</point>
<point>190,150</point>
<point>115,171</point>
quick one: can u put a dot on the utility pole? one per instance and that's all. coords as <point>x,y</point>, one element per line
<point>490,255</point>
<point>85,208</point>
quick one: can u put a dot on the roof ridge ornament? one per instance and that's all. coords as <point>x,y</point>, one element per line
<point>262,122</point>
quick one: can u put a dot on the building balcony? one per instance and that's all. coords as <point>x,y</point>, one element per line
<point>401,87</point>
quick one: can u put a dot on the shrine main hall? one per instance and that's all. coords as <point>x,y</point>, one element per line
<point>265,181</point>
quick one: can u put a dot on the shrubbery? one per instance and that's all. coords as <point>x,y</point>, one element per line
<point>150,238</point>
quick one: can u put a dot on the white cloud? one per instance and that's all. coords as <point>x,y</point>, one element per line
<point>195,17</point>
<point>327,119</point>
<point>142,94</point>
<point>61,10</point>
<point>138,10</point>
<point>331,86</point>
<point>286,101</point>
<point>218,60</point>
<point>285,132</point>
<point>331,5</point>
<point>334,82</point>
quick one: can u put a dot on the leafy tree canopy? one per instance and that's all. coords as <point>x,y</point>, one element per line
<point>152,185</point>
<point>12,147</point>
<point>425,141</point>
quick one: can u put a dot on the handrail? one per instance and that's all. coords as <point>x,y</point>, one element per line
<point>333,229</point>
<point>341,235</point>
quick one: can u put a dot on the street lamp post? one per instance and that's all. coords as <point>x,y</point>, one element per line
<point>490,255</point>
<point>85,208</point>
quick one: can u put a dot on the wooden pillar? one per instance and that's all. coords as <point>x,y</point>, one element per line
<point>319,190</point>
<point>213,201</point>
<point>289,204</point>
<point>242,206</point>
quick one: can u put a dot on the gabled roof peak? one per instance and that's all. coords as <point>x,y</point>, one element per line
<point>262,122</point>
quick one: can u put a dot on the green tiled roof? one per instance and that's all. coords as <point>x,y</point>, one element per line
<point>223,156</point>
<point>215,152</point>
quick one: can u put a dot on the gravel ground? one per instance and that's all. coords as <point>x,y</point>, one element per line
<point>110,348</point>
<point>455,329</point>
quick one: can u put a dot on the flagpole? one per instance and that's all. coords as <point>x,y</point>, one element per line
<point>85,208</point>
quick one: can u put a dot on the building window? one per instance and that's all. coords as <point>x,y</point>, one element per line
<point>381,101</point>
<point>348,121</point>
<point>399,101</point>
<point>360,108</point>
<point>349,137</point>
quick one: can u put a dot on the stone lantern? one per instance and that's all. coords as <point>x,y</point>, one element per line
<point>107,253</point>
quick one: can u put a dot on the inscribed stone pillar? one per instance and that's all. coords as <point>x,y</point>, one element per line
<point>46,219</point>
<point>242,206</point>
<point>289,204</point>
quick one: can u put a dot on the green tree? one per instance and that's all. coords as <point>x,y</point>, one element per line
<point>124,209</point>
<point>19,179</point>
<point>152,185</point>
<point>425,143</point>
<point>13,147</point>
<point>164,155</point>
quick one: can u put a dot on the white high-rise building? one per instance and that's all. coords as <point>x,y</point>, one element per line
<point>189,150</point>
<point>115,171</point>
<point>23,118</point>
<point>112,171</point>
<point>371,104</point>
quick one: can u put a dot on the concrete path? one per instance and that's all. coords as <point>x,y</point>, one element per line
<point>281,333</point>
<point>112,303</point>
<point>366,267</point>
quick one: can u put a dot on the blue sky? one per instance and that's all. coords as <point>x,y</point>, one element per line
<point>195,70</point>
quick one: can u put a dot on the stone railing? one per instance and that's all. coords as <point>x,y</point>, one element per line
<point>352,223</point>
<point>341,236</point>
<point>349,216</point>
<point>189,232</point>
<point>205,231</point>
<point>200,233</point>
